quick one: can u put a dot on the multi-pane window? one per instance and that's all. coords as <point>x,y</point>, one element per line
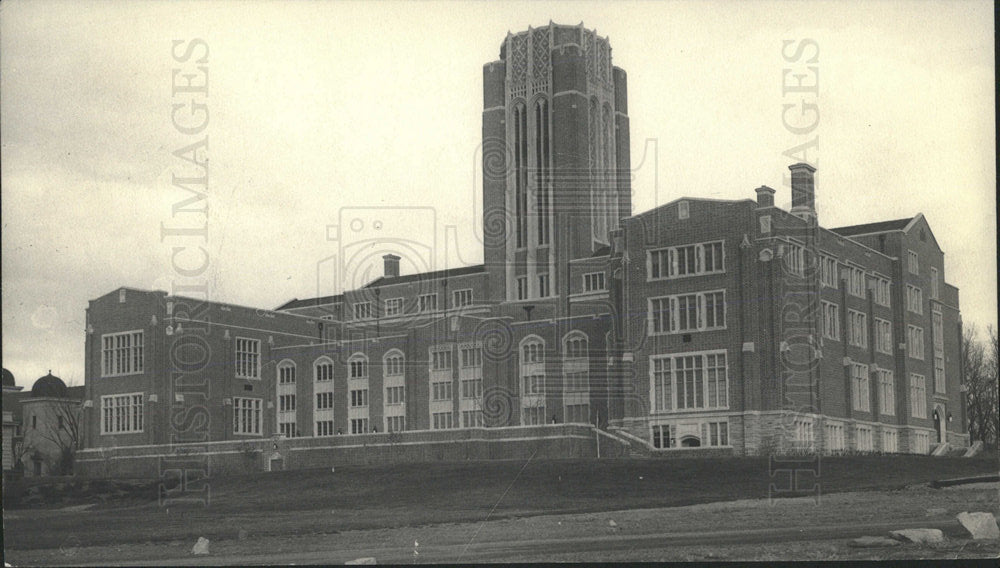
<point>442,421</point>
<point>804,433</point>
<point>461,298</point>
<point>688,312</point>
<point>715,433</point>
<point>121,354</point>
<point>359,425</point>
<point>856,281</point>
<point>576,346</point>
<point>918,395</point>
<point>324,427</point>
<point>247,358</point>
<point>358,366</point>
<point>428,302</point>
<point>577,414</point>
<point>577,381</point>
<point>886,392</point>
<point>323,371</point>
<point>664,436</point>
<point>828,273</point>
<point>834,437</point>
<point>689,260</point>
<point>392,365</point>
<point>286,429</point>
<point>441,390</point>
<point>912,262</point>
<point>883,336</point>
<point>440,360</point>
<point>890,441</point>
<point>395,423</point>
<point>857,328</point>
<point>472,388</point>
<point>937,329</point>
<point>393,306</point>
<point>543,285</point>
<point>533,353</point>
<point>922,442</point>
<point>395,395</point>
<point>795,258</point>
<point>286,402</point>
<point>246,416</point>
<point>533,415</point>
<point>362,310</point>
<point>120,413</point>
<point>522,287</point>
<point>863,441</point>
<point>935,284</point>
<point>694,381</point>
<point>471,357</point>
<point>859,386</point>
<point>534,384</point>
<point>831,320</point>
<point>594,281</point>
<point>286,374</point>
<point>324,401</point>
<point>359,398</point>
<point>472,419</point>
<point>914,299</point>
<point>882,295</point>
<point>915,342</point>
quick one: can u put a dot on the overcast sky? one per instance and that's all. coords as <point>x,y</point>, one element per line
<point>315,106</point>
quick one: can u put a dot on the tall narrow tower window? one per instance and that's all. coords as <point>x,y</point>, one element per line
<point>542,172</point>
<point>521,173</point>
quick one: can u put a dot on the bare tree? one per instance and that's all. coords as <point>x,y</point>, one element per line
<point>979,364</point>
<point>64,433</point>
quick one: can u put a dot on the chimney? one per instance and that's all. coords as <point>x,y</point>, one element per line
<point>803,190</point>
<point>765,197</point>
<point>391,269</point>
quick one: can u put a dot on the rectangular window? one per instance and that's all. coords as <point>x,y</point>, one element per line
<point>828,272</point>
<point>522,287</point>
<point>663,436</point>
<point>715,433</point>
<point>935,284</point>
<point>914,299</point>
<point>393,306</point>
<point>886,392</point>
<point>441,390</point>
<point>395,423</point>
<point>359,398</point>
<point>324,428</point>
<point>918,395</point>
<point>362,310</point>
<point>428,302</point>
<point>442,421</point>
<point>286,403</point>
<point>534,384</point>
<point>690,381</point>
<point>472,388</point>
<point>359,425</point>
<point>543,285</point>
<point>922,442</point>
<point>122,354</point>
<point>937,329</point>
<point>358,368</point>
<point>688,260</point>
<point>864,439</point>
<point>324,401</point>
<point>857,328</point>
<point>393,366</point>
<point>859,387</point>
<point>440,360</point>
<point>915,342</point>
<point>461,298</point>
<point>472,419</point>
<point>683,210</point>
<point>246,416</point>
<point>247,358</point>
<point>834,437</point>
<point>795,259</point>
<point>120,414</point>
<point>324,372</point>
<point>831,321</point>
<point>882,295</point>
<point>883,336</point>
<point>804,433</point>
<point>593,282</point>
<point>856,281</point>
<point>689,312</point>
<point>286,375</point>
<point>286,429</point>
<point>577,414</point>
<point>890,442</point>
<point>471,357</point>
<point>912,262</point>
<point>394,395</point>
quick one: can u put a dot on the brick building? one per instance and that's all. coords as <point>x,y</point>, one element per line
<point>732,325</point>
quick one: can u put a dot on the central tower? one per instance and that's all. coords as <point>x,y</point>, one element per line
<point>556,175</point>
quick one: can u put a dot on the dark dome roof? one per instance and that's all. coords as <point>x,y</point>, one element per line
<point>49,386</point>
<point>8,379</point>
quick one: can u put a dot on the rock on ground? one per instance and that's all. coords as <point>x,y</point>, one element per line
<point>200,547</point>
<point>982,526</point>
<point>873,542</point>
<point>922,536</point>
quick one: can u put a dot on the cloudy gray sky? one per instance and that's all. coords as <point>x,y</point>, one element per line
<point>315,106</point>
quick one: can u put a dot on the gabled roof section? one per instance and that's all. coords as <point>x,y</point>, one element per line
<point>869,228</point>
<point>423,276</point>
<point>921,222</point>
<point>310,302</point>
<point>679,199</point>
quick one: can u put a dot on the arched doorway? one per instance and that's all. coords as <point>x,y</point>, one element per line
<point>939,426</point>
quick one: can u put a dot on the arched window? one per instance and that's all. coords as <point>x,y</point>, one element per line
<point>358,366</point>
<point>392,363</point>
<point>532,349</point>
<point>286,372</point>
<point>575,345</point>
<point>323,370</point>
